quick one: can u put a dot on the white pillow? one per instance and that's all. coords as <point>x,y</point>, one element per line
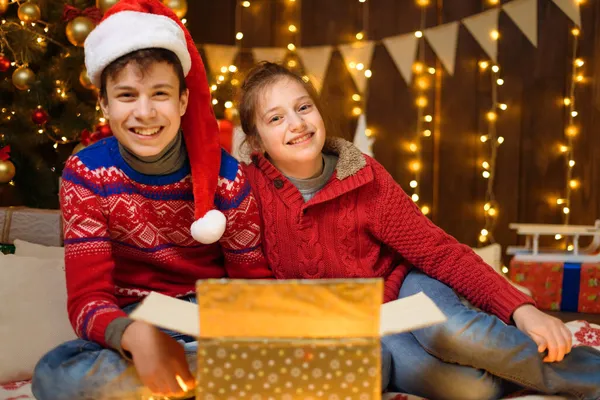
<point>491,255</point>
<point>27,249</point>
<point>33,313</point>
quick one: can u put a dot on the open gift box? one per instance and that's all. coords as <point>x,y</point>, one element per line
<point>266,339</point>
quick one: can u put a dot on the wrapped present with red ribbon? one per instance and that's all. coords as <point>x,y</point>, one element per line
<point>589,292</point>
<point>558,286</point>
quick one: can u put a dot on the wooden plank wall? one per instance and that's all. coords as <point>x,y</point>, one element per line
<point>531,171</point>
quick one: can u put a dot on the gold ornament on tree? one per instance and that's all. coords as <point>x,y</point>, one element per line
<point>7,168</point>
<point>4,6</point>
<point>104,5</point>
<point>23,78</point>
<point>85,81</point>
<point>78,30</point>
<point>7,171</point>
<point>178,6</point>
<point>29,12</point>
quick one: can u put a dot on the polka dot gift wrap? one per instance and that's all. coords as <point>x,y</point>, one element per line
<point>289,340</point>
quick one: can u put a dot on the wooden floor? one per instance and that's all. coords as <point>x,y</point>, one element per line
<point>567,316</point>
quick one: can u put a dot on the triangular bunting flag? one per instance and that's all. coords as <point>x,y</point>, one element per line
<point>271,54</point>
<point>524,15</point>
<point>219,56</point>
<point>571,8</point>
<point>357,57</point>
<point>315,61</point>
<point>443,40</point>
<point>483,26</point>
<point>403,50</point>
<point>361,140</point>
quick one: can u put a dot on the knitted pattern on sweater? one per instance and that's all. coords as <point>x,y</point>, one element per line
<point>127,234</point>
<point>361,224</point>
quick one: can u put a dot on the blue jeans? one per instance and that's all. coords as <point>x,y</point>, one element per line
<point>474,355</point>
<point>84,370</point>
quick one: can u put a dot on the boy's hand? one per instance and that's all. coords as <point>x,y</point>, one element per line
<point>548,332</point>
<point>159,359</point>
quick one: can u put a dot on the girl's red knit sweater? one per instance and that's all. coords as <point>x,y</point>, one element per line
<point>363,225</point>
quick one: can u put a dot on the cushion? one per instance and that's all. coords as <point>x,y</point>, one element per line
<point>27,249</point>
<point>492,255</point>
<point>31,224</point>
<point>33,313</point>
<point>16,391</point>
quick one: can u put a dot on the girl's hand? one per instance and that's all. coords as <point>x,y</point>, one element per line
<point>548,332</point>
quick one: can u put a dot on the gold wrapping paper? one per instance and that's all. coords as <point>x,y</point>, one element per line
<point>289,309</point>
<point>289,340</point>
<point>335,369</point>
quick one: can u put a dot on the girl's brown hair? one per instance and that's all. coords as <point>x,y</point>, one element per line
<point>259,78</point>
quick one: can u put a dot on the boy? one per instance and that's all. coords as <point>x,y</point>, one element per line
<point>128,203</point>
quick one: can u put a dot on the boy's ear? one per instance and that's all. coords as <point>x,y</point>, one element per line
<point>183,101</point>
<point>103,105</point>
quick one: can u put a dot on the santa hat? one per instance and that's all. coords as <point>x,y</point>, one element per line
<point>132,25</point>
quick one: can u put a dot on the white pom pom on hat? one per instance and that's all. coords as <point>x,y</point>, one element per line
<point>209,228</point>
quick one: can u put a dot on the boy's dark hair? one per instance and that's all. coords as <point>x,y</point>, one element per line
<point>143,59</point>
<point>260,77</point>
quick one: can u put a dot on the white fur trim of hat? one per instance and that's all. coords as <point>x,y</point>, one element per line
<point>128,31</point>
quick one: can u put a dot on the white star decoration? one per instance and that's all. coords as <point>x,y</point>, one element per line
<point>591,337</point>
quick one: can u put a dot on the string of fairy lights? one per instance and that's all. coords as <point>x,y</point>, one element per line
<point>30,22</point>
<point>293,29</point>
<point>358,100</point>
<point>424,120</point>
<point>492,141</point>
<point>229,74</point>
<point>294,35</point>
<point>361,35</point>
<point>571,131</point>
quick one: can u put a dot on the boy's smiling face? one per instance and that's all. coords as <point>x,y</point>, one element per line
<point>144,108</point>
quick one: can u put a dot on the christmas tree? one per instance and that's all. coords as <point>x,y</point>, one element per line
<point>48,106</point>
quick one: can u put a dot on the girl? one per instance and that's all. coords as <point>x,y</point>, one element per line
<point>330,211</point>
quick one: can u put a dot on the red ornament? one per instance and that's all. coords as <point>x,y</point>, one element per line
<point>40,116</point>
<point>4,153</point>
<point>104,130</point>
<point>70,13</point>
<point>4,63</point>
